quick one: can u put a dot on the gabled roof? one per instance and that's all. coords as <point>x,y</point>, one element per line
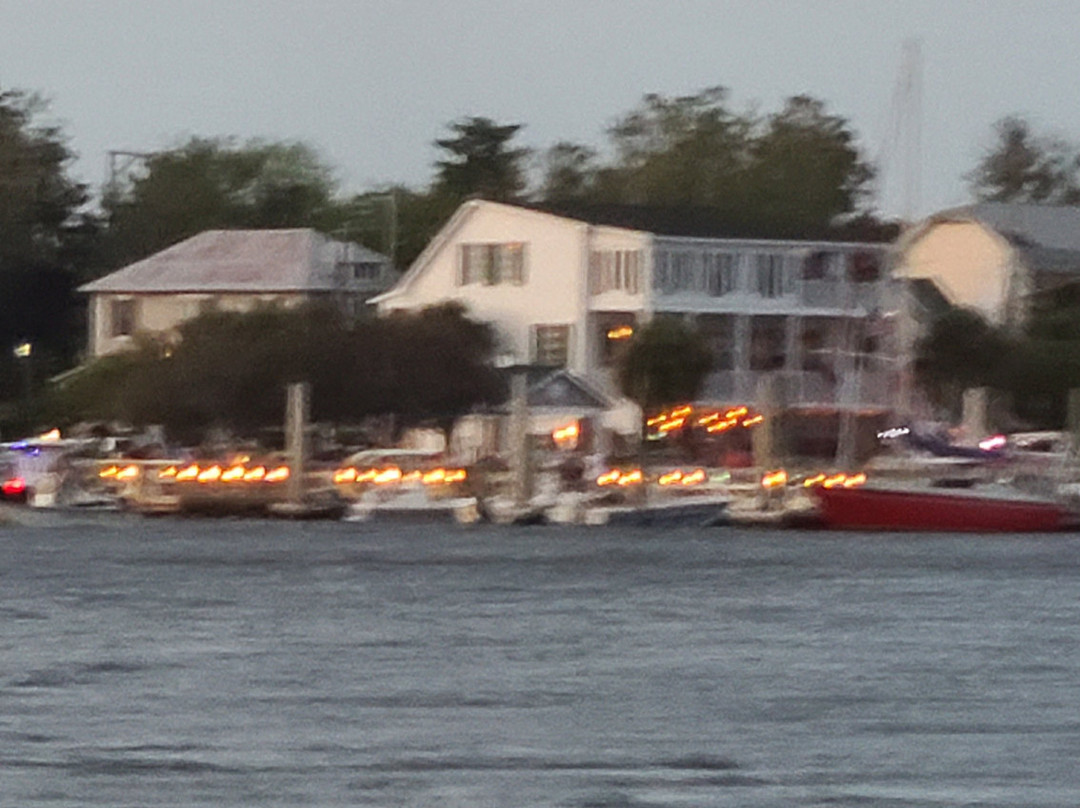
<point>563,389</point>
<point>299,260</point>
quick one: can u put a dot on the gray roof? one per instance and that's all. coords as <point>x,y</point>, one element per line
<point>301,260</point>
<point>1048,236</point>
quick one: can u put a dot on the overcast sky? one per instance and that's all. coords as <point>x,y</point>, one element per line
<point>371,83</point>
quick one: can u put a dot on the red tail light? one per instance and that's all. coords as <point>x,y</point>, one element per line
<point>13,486</point>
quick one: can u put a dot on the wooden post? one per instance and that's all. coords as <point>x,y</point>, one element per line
<point>297,406</point>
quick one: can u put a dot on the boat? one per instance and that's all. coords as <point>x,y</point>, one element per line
<point>967,507</point>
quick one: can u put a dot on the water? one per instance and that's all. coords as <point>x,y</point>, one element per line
<point>204,663</point>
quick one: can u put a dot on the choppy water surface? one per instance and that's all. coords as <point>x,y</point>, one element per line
<point>203,663</point>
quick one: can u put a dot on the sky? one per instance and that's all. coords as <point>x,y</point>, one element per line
<point>372,83</point>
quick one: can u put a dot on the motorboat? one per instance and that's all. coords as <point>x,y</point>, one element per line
<point>943,505</point>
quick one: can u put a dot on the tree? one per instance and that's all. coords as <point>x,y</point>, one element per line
<point>664,364</point>
<point>229,370</point>
<point>480,161</point>
<point>44,233</point>
<point>569,172</point>
<point>1024,167</point>
<point>215,183</point>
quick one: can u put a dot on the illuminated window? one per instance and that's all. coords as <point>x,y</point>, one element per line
<point>614,338</point>
<point>122,316</point>
<point>492,264</point>
<point>552,345</point>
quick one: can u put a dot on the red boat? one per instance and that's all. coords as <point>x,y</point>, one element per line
<point>938,509</point>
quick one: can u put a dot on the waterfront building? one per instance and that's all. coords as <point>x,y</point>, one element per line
<point>229,270</point>
<point>567,293</point>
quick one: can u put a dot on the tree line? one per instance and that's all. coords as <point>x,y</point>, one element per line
<point>797,172</point>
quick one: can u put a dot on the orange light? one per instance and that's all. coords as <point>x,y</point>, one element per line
<point>345,475</point>
<point>209,475</point>
<point>435,476</point>
<point>189,473</point>
<point>671,478</point>
<point>673,424</point>
<point>657,419</point>
<point>280,474</point>
<point>128,473</point>
<point>817,479</point>
<point>835,480</point>
<point>566,434</point>
<point>738,412</point>
<point>456,475</point>
<point>682,412</point>
<point>708,419</point>
<point>774,479</point>
<point>855,480</point>
<point>391,474</point>
<point>608,477</point>
<point>233,474</point>
<point>255,474</point>
<point>694,478</point>
<point>109,472</point>
<point>622,332</point>
<point>167,473</point>
<point>631,478</point>
<point>757,419</point>
<point>367,476</point>
<point>412,477</point>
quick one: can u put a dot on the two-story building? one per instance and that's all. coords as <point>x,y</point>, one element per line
<point>568,294</point>
<point>229,270</point>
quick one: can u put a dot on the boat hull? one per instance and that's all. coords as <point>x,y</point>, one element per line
<point>866,508</point>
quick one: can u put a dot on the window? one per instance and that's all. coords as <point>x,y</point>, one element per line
<point>614,270</point>
<point>770,275</point>
<point>865,267</point>
<point>123,317</point>
<point>552,345</point>
<point>815,266</point>
<point>492,264</point>
<point>366,270</point>
<point>613,338</point>
<point>721,276</point>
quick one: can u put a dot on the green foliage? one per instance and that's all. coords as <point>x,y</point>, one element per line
<point>230,370</point>
<point>214,183</point>
<point>1024,167</point>
<point>664,364</point>
<point>960,350</point>
<point>480,162</point>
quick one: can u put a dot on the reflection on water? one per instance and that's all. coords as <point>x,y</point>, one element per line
<point>260,663</point>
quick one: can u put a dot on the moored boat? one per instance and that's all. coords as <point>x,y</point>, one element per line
<point>983,509</point>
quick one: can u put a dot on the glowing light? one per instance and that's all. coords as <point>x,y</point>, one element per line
<point>189,473</point>
<point>708,419</point>
<point>669,426</point>
<point>682,412</point>
<point>167,473</point>
<point>895,432</point>
<point>13,486</point>
<point>435,476</point>
<point>233,474</point>
<point>720,427</point>
<point>609,477</point>
<point>345,476</point>
<point>757,419</point>
<point>456,475</point>
<point>392,474</point>
<point>280,474</point>
<point>51,435</point>
<point>566,435</point>
<point>695,477</point>
<point>127,473</point>
<point>110,471</point>
<point>367,476</point>
<point>992,443</point>
<point>738,412</point>
<point>817,479</point>
<point>774,479</point>
<point>855,480</point>
<point>835,480</point>
<point>622,332</point>
<point>657,419</point>
<point>412,477</point>
<point>23,350</point>
<point>671,478</point>
<point>209,475</point>
<point>631,478</point>
<point>255,474</point>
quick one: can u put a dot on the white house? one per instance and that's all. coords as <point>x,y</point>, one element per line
<point>231,270</point>
<point>568,293</point>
